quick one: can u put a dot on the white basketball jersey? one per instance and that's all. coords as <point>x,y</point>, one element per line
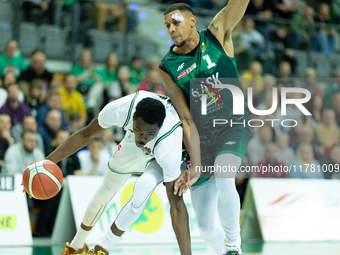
<point>128,158</point>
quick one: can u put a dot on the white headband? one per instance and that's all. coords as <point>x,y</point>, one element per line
<point>178,17</point>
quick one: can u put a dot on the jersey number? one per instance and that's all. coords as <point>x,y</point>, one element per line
<point>210,63</point>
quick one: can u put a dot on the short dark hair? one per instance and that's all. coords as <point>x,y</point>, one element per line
<point>180,7</point>
<point>152,111</point>
<point>25,132</point>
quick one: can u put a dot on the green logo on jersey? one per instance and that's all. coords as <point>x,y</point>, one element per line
<point>203,47</point>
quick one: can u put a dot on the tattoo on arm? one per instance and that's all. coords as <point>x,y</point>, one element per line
<point>216,20</point>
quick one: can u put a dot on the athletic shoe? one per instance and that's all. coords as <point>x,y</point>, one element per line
<point>98,250</point>
<point>233,253</point>
<point>70,250</point>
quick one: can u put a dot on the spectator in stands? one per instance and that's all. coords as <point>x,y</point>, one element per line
<point>152,83</point>
<point>85,72</point>
<point>50,127</point>
<point>35,99</point>
<point>302,28</point>
<point>13,107</point>
<point>261,9</point>
<point>67,165</point>
<point>335,7</point>
<point>293,112</point>
<point>324,39</point>
<point>284,75</point>
<point>5,127</point>
<point>257,144</point>
<point>331,164</point>
<point>123,19</point>
<point>3,148</point>
<point>305,163</point>
<point>53,102</point>
<point>75,123</point>
<point>94,160</point>
<point>315,108</point>
<point>270,160</point>
<point>327,131</point>
<point>336,107</point>
<point>109,141</point>
<point>122,86</point>
<point>252,39</point>
<point>6,139</point>
<point>266,103</point>
<point>153,64</point>
<point>11,61</point>
<point>244,56</point>
<point>320,89</point>
<point>281,45</point>
<point>43,6</point>
<point>284,152</point>
<point>253,78</point>
<point>330,90</point>
<point>72,101</point>
<point>109,73</point>
<point>59,6</point>
<point>8,78</point>
<point>306,135</point>
<point>286,9</point>
<point>137,72</point>
<point>20,155</point>
<point>269,82</point>
<point>37,71</point>
<point>28,123</point>
<point>310,81</point>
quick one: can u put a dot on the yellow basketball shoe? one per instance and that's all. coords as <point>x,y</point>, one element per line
<point>98,250</point>
<point>70,250</point>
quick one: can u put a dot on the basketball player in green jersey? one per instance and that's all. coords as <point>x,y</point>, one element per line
<point>208,54</point>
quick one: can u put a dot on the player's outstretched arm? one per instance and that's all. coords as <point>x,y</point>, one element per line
<point>179,219</point>
<point>190,134</point>
<point>76,141</point>
<point>225,21</point>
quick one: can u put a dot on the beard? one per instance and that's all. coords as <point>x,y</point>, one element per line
<point>28,150</point>
<point>181,44</point>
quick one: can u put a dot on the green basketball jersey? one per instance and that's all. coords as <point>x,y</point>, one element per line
<point>208,60</point>
<point>198,73</point>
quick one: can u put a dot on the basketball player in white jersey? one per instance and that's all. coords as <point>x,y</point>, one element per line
<point>153,146</point>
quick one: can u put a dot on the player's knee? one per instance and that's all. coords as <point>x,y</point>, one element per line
<point>142,192</point>
<point>104,194</point>
<point>206,228</point>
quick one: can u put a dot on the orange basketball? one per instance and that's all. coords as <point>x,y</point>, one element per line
<point>42,179</point>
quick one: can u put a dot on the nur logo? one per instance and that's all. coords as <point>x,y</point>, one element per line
<point>212,95</point>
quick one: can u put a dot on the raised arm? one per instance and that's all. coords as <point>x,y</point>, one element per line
<point>226,20</point>
<point>191,138</point>
<point>76,141</point>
